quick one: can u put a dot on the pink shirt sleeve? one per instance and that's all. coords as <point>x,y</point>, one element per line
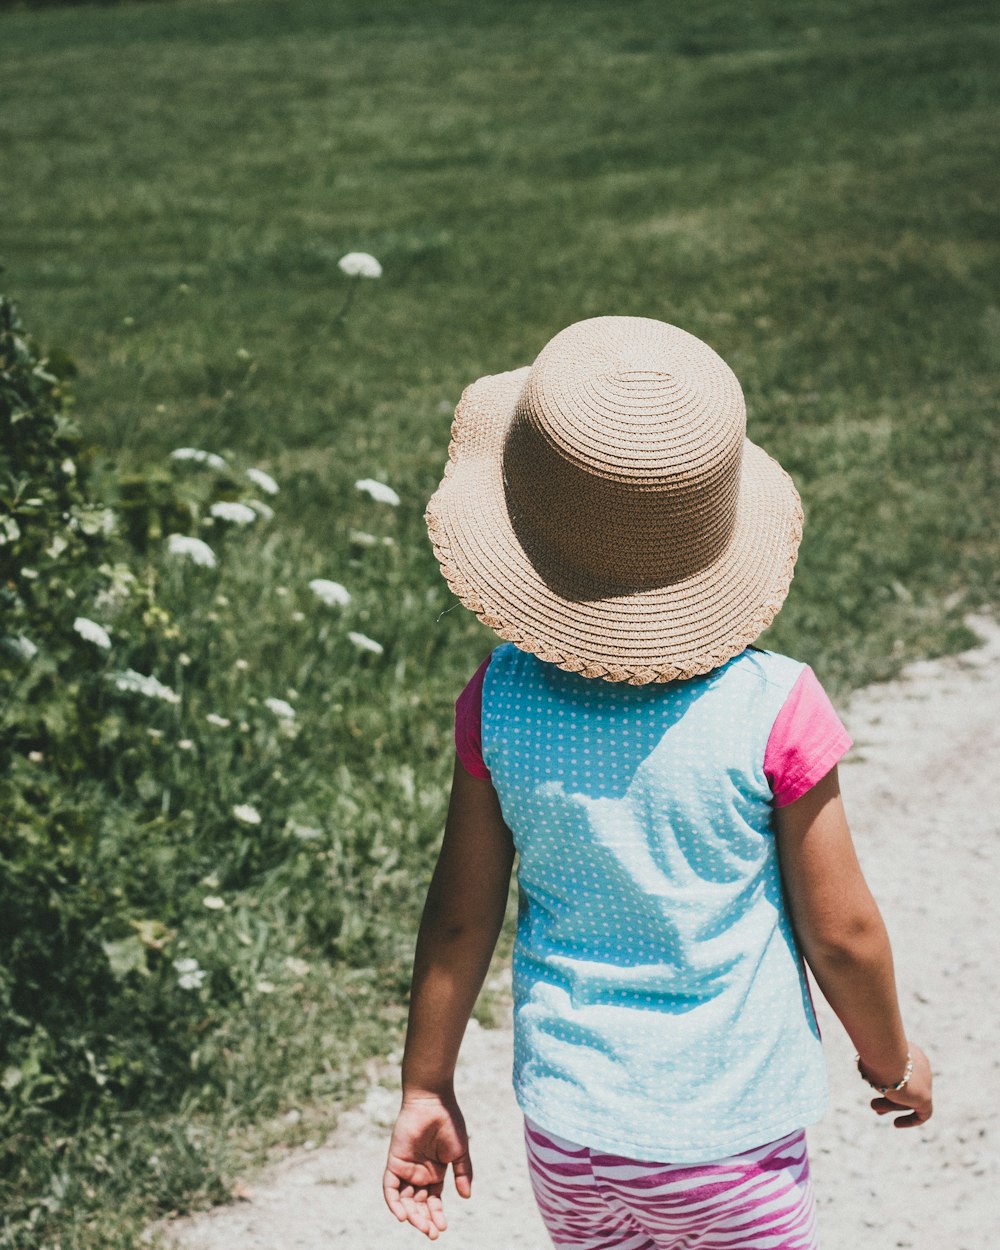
<point>468,724</point>
<point>806,740</point>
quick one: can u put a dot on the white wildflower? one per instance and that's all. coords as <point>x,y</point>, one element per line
<point>364,643</point>
<point>68,467</point>
<point>213,902</point>
<point>360,265</point>
<point>185,744</point>
<point>266,987</point>
<point>92,632</point>
<point>132,682</point>
<point>189,975</point>
<point>307,833</point>
<point>194,549</point>
<point>242,665</point>
<point>361,538</point>
<point>280,708</point>
<point>297,966</point>
<point>192,980</point>
<point>199,457</point>
<point>262,509</point>
<point>264,480</point>
<point>332,593</point>
<point>238,513</point>
<point>220,722</point>
<point>247,813</point>
<point>378,491</point>
<point>36,757</point>
<point>22,646</point>
<point>298,616</point>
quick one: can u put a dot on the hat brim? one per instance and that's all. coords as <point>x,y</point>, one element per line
<point>652,635</point>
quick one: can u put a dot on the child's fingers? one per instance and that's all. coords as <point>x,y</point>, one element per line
<point>436,1209</point>
<point>390,1192</point>
<point>917,1115</point>
<point>463,1175</point>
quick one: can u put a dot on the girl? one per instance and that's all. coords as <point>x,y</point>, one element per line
<point>671,793</point>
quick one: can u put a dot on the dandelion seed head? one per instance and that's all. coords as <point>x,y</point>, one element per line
<point>378,491</point>
<point>331,593</point>
<point>237,513</point>
<point>193,549</point>
<point>360,265</point>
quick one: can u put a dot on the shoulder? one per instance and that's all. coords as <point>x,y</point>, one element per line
<point>771,672</point>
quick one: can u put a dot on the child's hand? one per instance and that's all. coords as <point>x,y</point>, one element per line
<point>915,1094</point>
<point>428,1135</point>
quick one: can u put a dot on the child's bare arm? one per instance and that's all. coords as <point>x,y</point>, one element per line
<point>844,940</point>
<point>461,921</point>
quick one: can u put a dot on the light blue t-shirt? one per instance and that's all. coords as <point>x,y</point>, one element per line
<point>661,1009</point>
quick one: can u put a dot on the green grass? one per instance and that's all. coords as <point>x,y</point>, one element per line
<point>808,186</point>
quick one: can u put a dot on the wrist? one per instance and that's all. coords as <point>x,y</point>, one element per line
<point>428,1091</point>
<point>887,1077</point>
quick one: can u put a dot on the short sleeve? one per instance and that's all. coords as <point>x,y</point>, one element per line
<point>468,724</point>
<point>805,742</point>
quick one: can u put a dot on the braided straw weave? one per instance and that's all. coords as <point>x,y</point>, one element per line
<point>604,510</point>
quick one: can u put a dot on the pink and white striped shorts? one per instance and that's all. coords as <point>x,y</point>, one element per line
<point>760,1199</point>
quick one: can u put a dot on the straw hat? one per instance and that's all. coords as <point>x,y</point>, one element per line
<point>604,510</point>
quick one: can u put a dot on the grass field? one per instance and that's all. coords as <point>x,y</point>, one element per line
<point>810,187</point>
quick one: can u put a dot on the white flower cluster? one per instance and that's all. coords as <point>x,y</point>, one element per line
<point>132,682</point>
<point>360,265</point>
<point>280,708</point>
<point>364,643</point>
<point>208,458</point>
<point>21,646</point>
<point>237,513</point>
<point>192,549</point>
<point>189,975</point>
<point>331,593</point>
<point>92,632</point>
<point>378,491</point>
<point>264,480</point>
<point>247,814</point>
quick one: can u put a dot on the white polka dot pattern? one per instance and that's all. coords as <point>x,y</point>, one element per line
<point>661,1007</point>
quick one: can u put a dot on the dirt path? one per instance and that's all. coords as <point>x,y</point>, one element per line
<point>920,788</point>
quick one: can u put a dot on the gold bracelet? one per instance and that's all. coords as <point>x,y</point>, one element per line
<point>888,1089</point>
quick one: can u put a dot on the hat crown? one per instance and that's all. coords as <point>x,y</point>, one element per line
<point>623,458</point>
